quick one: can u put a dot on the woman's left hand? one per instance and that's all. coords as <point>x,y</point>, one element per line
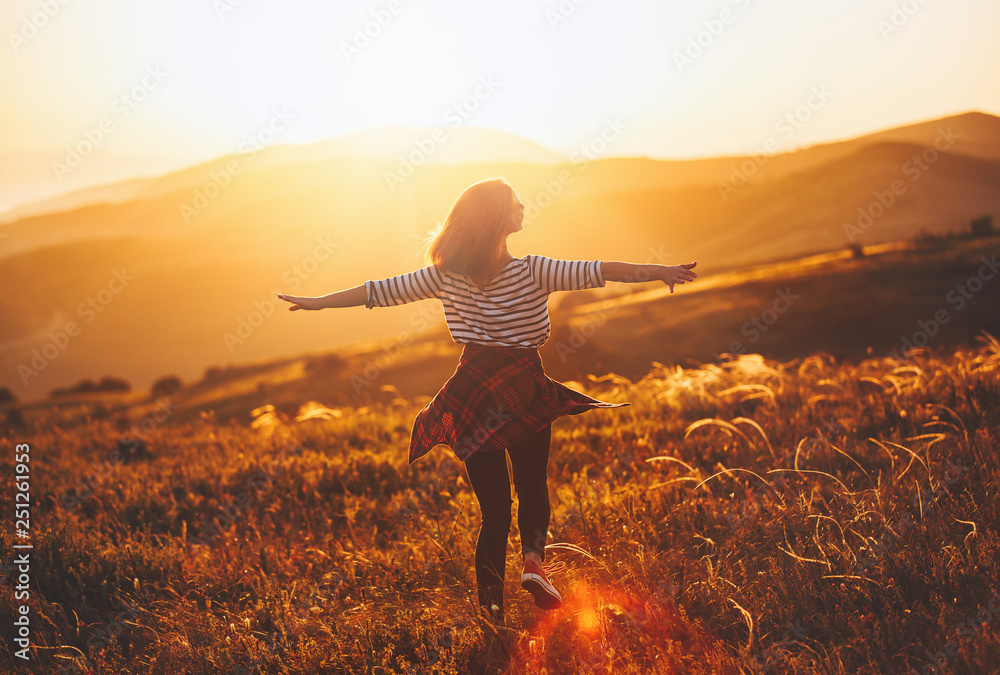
<point>301,302</point>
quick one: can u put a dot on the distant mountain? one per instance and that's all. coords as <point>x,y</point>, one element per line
<point>973,134</point>
<point>395,144</point>
<point>426,145</point>
<point>29,183</point>
<point>976,135</point>
<point>206,248</point>
<point>822,208</point>
<point>113,193</point>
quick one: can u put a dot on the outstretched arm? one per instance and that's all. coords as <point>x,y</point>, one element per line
<point>352,297</point>
<point>613,270</point>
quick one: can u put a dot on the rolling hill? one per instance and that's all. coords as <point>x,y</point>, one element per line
<point>209,246</point>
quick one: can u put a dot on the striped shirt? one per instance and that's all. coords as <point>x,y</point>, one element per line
<point>511,310</point>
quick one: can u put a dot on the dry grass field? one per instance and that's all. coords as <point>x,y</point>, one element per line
<point>807,516</point>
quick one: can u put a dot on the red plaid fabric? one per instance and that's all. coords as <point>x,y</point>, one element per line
<point>497,396</point>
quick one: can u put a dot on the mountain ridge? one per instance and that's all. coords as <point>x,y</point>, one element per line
<point>309,228</point>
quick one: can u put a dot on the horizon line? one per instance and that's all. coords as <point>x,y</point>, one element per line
<point>189,164</point>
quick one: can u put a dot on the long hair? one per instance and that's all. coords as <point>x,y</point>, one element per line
<point>470,240</point>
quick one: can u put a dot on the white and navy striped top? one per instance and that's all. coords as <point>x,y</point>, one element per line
<point>511,310</point>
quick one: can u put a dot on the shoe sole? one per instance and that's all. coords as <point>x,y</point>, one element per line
<point>545,595</point>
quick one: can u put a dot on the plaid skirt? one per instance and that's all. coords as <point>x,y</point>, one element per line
<point>497,396</point>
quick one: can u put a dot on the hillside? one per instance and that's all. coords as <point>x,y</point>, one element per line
<point>204,267</point>
<point>832,304</point>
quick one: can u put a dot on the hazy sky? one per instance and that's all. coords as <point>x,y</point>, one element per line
<point>685,79</point>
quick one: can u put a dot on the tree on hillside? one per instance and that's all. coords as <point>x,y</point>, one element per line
<point>166,386</point>
<point>113,384</point>
<point>88,386</point>
<point>328,364</point>
<point>982,226</point>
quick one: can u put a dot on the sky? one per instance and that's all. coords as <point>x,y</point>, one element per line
<point>176,83</point>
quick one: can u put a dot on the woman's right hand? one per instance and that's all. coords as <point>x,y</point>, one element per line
<point>299,302</point>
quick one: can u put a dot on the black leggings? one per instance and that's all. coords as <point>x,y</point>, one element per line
<point>491,482</point>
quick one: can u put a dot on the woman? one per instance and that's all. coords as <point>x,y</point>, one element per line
<point>499,396</point>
